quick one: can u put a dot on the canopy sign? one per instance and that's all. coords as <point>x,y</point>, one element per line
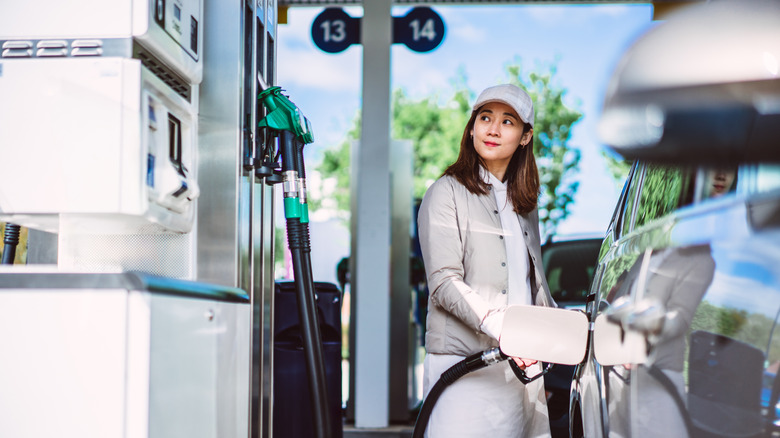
<point>421,29</point>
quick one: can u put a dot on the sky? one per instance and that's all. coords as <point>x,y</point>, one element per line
<point>584,41</point>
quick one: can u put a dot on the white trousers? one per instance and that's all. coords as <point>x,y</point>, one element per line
<point>490,402</point>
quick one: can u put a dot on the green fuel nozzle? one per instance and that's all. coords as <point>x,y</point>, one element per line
<point>283,115</point>
<point>294,131</point>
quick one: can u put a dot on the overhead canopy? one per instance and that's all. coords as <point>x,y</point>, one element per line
<point>457,2</point>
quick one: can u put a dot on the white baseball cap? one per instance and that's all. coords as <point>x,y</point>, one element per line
<point>511,95</point>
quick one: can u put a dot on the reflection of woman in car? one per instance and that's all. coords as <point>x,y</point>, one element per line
<point>676,281</point>
<point>718,181</point>
<point>479,235</point>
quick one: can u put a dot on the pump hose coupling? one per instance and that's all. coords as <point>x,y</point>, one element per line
<point>12,232</point>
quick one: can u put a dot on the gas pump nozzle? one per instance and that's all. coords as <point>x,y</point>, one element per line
<point>283,115</point>
<point>294,132</point>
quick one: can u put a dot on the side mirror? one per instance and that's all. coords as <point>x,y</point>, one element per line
<point>701,87</point>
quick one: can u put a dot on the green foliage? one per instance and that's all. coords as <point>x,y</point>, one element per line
<point>336,164</point>
<point>435,129</point>
<point>558,162</point>
<point>750,328</point>
<point>662,190</point>
<point>615,268</point>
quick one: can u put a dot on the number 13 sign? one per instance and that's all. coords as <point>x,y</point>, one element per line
<point>422,30</point>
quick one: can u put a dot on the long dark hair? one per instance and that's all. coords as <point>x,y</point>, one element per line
<point>521,177</point>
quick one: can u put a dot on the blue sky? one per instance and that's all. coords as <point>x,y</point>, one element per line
<point>586,41</point>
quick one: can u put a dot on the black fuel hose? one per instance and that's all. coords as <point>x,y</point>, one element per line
<point>11,241</point>
<point>300,249</point>
<point>472,363</point>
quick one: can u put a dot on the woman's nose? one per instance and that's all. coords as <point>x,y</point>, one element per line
<point>493,128</point>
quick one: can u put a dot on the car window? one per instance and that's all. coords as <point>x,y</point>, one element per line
<point>626,216</point>
<point>715,182</point>
<point>569,267</point>
<point>664,189</point>
<point>760,178</point>
<point>768,177</point>
<point>614,229</point>
<point>712,183</point>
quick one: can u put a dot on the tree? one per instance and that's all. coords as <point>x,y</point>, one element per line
<point>558,162</point>
<point>435,130</point>
<point>618,167</point>
<point>336,164</point>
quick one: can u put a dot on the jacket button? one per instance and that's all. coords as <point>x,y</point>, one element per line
<point>503,291</point>
<point>503,264</point>
<point>495,211</point>
<point>525,232</point>
<point>501,237</point>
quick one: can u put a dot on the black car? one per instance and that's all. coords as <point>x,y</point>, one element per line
<point>569,264</point>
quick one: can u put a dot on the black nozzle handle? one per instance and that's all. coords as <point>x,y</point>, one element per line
<point>288,148</point>
<point>299,158</point>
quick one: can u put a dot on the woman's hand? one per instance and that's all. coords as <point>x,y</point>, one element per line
<point>523,363</point>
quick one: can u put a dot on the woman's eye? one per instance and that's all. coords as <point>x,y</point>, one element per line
<point>484,118</point>
<point>508,122</point>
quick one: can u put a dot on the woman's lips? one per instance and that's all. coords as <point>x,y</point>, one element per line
<point>490,144</point>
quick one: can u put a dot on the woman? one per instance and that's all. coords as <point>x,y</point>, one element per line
<point>479,234</point>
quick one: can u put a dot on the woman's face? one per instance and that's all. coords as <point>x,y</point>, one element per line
<point>719,181</point>
<point>498,132</point>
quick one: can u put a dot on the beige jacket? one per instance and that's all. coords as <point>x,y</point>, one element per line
<point>465,260</point>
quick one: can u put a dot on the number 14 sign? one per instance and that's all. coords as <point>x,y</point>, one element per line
<point>421,29</point>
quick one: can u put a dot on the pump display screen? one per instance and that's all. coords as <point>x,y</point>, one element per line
<point>179,19</point>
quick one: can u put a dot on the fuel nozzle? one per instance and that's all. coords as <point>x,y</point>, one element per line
<point>293,130</point>
<point>283,115</point>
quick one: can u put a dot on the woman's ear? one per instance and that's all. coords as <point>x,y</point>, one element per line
<point>527,137</point>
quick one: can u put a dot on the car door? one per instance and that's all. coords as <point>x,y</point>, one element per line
<point>587,403</point>
<point>639,227</point>
<point>699,286</point>
<point>732,354</point>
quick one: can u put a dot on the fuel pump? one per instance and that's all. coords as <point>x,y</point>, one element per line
<point>286,121</point>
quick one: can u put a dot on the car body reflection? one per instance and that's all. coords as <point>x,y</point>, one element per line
<point>699,280</point>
